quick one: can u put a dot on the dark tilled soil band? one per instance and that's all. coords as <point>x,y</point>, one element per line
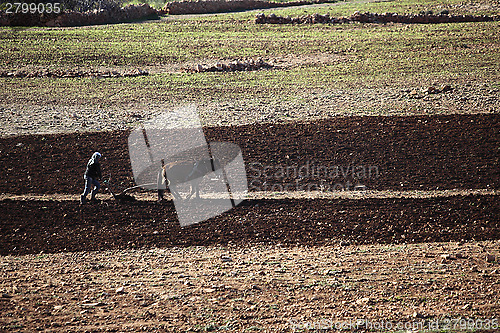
<point>382,153</point>
<point>54,226</point>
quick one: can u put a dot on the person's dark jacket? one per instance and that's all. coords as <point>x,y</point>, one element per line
<point>93,168</point>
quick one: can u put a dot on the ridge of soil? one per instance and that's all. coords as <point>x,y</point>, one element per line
<point>151,195</point>
<point>274,265</point>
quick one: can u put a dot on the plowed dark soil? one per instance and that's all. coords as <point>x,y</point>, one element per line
<point>55,226</point>
<point>409,153</point>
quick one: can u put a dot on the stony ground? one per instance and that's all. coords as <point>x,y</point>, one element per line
<point>29,117</point>
<point>255,288</point>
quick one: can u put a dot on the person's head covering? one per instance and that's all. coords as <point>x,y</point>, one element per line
<point>96,156</point>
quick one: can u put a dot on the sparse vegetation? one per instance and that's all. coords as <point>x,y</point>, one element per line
<point>86,5</point>
<point>356,55</point>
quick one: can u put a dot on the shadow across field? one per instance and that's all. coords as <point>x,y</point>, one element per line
<point>31,226</point>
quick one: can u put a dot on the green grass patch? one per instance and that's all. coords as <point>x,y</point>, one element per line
<point>158,4</point>
<point>353,55</point>
<point>161,3</point>
<point>455,7</point>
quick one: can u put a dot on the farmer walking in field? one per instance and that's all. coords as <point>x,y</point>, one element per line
<point>92,177</point>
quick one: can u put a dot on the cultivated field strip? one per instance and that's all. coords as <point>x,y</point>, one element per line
<point>420,153</point>
<point>31,226</point>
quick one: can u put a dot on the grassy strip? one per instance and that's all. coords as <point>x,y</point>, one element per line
<point>164,43</point>
<point>455,7</point>
<point>356,55</point>
<point>161,3</point>
<point>216,37</point>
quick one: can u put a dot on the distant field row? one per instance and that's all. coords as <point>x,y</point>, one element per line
<point>406,6</point>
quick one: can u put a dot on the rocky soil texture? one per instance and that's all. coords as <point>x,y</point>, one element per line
<point>71,73</point>
<point>20,116</point>
<point>266,288</point>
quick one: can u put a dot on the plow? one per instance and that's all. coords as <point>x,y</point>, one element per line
<point>123,196</point>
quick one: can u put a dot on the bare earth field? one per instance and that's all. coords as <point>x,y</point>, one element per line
<point>26,117</point>
<point>268,288</point>
<point>372,155</point>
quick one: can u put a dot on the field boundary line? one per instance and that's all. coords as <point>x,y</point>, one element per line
<point>262,195</point>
